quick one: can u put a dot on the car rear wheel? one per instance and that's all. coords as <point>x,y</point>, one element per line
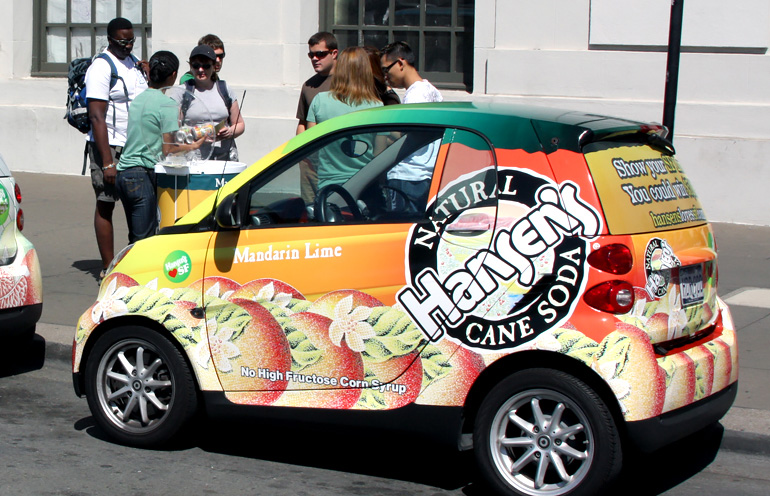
<point>139,388</point>
<point>543,432</point>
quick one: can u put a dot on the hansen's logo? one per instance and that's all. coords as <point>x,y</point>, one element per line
<point>659,259</point>
<point>553,225</point>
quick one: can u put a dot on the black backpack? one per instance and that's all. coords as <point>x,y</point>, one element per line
<point>77,103</point>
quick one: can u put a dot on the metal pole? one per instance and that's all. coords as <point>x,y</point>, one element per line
<point>672,65</point>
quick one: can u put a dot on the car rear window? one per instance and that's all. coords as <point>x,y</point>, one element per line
<point>642,189</point>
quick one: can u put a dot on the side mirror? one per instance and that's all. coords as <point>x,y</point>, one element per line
<point>354,148</point>
<point>228,214</point>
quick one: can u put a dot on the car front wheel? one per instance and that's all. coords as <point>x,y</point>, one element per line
<point>139,388</point>
<point>543,432</point>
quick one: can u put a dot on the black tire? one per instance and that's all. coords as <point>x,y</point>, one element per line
<point>145,405</point>
<point>514,439</point>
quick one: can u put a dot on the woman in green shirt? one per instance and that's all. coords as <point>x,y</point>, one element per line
<point>153,119</point>
<point>352,88</point>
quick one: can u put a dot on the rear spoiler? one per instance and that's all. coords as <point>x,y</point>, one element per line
<point>654,135</point>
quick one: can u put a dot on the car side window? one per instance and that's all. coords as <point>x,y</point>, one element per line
<point>469,179</point>
<point>380,175</point>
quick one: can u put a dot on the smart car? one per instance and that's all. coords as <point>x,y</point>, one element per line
<point>542,283</point>
<point>21,294</point>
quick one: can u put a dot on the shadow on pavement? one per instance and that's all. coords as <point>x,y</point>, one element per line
<point>350,449</point>
<point>20,357</point>
<point>92,267</point>
<point>658,472</point>
<point>399,456</point>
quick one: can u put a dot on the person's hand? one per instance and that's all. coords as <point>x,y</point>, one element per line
<point>145,67</point>
<point>226,132</point>
<point>197,144</point>
<point>110,174</point>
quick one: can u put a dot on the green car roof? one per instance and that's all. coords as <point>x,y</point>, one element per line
<point>506,125</point>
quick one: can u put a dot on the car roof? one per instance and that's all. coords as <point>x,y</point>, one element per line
<point>506,125</point>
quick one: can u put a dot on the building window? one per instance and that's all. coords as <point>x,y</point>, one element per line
<point>439,31</point>
<point>70,29</point>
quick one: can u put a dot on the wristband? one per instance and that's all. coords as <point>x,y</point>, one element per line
<point>111,166</point>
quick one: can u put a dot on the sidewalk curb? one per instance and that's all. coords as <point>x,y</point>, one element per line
<point>746,430</point>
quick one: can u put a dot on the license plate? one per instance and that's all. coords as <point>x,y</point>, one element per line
<point>691,284</point>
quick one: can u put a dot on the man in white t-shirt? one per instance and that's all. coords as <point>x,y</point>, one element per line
<point>108,101</point>
<point>409,180</point>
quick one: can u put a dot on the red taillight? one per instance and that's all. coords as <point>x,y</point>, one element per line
<point>615,259</point>
<point>17,190</point>
<point>611,296</point>
<point>20,219</point>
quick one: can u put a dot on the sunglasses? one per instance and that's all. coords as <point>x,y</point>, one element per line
<point>319,54</point>
<point>220,56</point>
<point>388,68</point>
<point>123,43</point>
<point>196,66</point>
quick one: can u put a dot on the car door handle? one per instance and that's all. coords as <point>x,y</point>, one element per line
<point>468,228</point>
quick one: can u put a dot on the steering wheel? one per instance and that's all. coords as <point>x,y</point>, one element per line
<point>333,214</point>
<point>411,205</point>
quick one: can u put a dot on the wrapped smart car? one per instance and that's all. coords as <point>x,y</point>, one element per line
<point>543,283</point>
<point>21,288</point>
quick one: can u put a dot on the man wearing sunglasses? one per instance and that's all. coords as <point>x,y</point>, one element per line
<point>410,178</point>
<point>110,91</point>
<point>323,55</point>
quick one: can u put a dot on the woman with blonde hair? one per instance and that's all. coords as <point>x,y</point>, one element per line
<point>352,88</point>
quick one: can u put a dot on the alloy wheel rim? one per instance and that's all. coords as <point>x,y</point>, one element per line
<point>541,443</point>
<point>135,386</point>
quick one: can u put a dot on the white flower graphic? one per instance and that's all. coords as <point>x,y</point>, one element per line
<point>267,294</point>
<point>222,349</point>
<point>547,342</point>
<point>111,304</point>
<point>351,324</point>
<point>214,291</point>
<point>167,292</point>
<point>677,317</point>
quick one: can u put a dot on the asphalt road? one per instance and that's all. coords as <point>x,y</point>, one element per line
<point>49,445</point>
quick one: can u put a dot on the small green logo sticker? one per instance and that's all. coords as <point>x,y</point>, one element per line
<point>177,266</point>
<point>5,204</point>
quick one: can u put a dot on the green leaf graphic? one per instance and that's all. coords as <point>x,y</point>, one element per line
<point>303,353</point>
<point>396,335</point>
<point>435,364</point>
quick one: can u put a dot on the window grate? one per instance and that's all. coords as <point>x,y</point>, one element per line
<point>68,29</point>
<point>439,31</point>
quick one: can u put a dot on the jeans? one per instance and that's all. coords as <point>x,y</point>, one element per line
<point>136,189</point>
<point>408,197</point>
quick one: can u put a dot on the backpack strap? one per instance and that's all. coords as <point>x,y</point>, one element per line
<point>222,88</point>
<point>187,97</point>
<point>114,79</point>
